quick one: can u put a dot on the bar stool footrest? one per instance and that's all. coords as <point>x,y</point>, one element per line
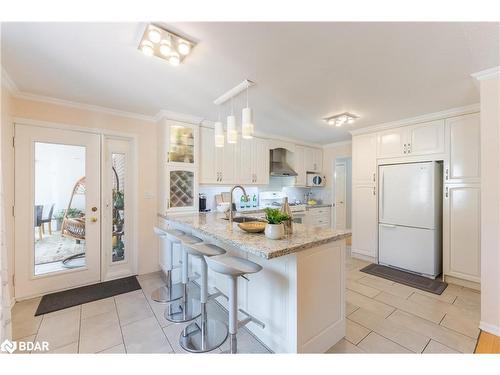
<point>217,293</point>
<point>249,318</point>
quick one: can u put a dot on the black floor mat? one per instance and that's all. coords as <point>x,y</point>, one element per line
<point>73,297</point>
<point>406,278</point>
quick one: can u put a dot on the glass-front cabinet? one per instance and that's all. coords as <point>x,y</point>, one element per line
<point>178,187</point>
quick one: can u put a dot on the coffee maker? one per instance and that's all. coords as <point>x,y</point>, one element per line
<point>202,202</point>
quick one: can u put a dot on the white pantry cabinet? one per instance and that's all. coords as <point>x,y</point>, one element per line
<point>364,220</point>
<point>364,159</point>
<point>461,231</point>
<point>217,164</point>
<point>420,139</point>
<point>463,165</point>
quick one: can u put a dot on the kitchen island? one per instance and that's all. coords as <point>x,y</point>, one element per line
<point>299,294</point>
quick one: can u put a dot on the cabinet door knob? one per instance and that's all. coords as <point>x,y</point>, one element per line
<point>404,149</point>
<point>374,192</point>
<point>446,192</point>
<point>409,148</point>
<point>446,174</point>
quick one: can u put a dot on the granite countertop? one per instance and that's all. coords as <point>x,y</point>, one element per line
<point>212,226</point>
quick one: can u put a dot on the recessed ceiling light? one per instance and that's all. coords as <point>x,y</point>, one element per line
<point>162,43</point>
<point>341,119</point>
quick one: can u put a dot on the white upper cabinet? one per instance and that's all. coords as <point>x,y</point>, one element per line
<point>421,139</point>
<point>464,161</point>
<point>364,159</point>
<point>426,138</point>
<point>245,167</point>
<point>217,164</point>
<point>246,162</point>
<point>313,159</point>
<point>299,165</point>
<point>461,231</point>
<point>261,161</point>
<point>208,170</point>
<point>391,143</point>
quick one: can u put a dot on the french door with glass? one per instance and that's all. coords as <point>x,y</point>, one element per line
<point>73,209</point>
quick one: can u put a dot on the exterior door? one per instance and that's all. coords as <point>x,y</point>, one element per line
<point>118,242</point>
<point>340,196</point>
<point>57,209</point>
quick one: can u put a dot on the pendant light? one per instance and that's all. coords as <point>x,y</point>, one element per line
<point>247,121</point>
<point>219,133</point>
<point>232,134</point>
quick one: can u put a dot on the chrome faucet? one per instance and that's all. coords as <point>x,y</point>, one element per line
<point>231,212</point>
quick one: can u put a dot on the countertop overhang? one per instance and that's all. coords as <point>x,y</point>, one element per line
<point>213,226</point>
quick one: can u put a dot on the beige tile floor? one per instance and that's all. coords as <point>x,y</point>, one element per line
<point>382,317</point>
<point>386,317</point>
<point>127,323</point>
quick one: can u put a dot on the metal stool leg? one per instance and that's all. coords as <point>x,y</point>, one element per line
<point>204,334</point>
<point>184,309</point>
<point>233,314</point>
<point>169,292</point>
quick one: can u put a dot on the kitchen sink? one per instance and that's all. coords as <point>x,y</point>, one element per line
<point>244,219</point>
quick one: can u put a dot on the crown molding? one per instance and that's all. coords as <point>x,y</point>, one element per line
<point>177,116</point>
<point>487,73</point>
<point>452,112</point>
<point>337,144</point>
<point>83,106</point>
<point>8,82</point>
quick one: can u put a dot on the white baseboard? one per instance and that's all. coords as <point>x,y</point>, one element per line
<point>363,257</point>
<point>490,328</point>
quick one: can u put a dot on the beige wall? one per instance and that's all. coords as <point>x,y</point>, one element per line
<point>6,226</point>
<point>146,148</point>
<point>490,204</point>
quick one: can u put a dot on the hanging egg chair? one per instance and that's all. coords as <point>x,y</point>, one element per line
<point>74,227</point>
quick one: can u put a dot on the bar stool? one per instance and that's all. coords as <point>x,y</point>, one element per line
<point>168,292</point>
<point>184,309</point>
<point>203,334</point>
<point>233,267</point>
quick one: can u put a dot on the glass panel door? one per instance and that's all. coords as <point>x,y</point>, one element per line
<point>57,209</point>
<point>117,228</point>
<point>181,145</point>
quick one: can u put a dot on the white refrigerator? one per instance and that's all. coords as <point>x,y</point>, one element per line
<point>410,217</point>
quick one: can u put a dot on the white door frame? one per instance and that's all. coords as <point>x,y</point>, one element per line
<point>344,164</point>
<point>134,165</point>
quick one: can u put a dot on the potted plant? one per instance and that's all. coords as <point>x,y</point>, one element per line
<point>274,227</point>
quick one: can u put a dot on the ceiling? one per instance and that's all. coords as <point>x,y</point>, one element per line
<point>304,71</point>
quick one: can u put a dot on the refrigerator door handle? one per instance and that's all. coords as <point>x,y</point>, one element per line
<point>387,225</point>
<point>382,194</point>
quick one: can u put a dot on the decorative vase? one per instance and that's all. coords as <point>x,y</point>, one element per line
<point>275,231</point>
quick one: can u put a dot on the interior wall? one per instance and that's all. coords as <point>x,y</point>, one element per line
<point>146,161</point>
<point>6,220</point>
<point>490,204</point>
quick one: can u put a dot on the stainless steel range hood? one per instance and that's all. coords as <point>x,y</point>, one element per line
<point>279,165</point>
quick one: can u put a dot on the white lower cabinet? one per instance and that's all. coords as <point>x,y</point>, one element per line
<point>461,231</point>
<point>319,217</point>
<point>364,220</point>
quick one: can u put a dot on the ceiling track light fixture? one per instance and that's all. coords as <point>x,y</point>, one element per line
<point>247,126</point>
<point>341,119</point>
<point>165,44</point>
